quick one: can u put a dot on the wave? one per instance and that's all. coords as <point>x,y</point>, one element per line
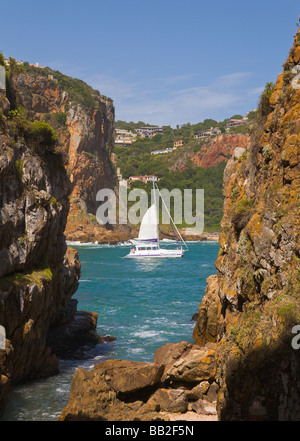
<point>136,350</point>
<point>145,334</point>
<point>97,245</point>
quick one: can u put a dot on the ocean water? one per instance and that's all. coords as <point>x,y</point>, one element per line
<point>144,304</point>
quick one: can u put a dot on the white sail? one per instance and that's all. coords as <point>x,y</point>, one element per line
<point>149,226</point>
<point>149,233</point>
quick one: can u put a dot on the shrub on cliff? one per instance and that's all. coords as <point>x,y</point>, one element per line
<point>78,90</point>
<point>36,133</point>
<point>242,211</point>
<point>18,122</point>
<point>2,120</point>
<point>264,107</point>
<point>40,133</point>
<point>2,59</point>
<point>56,120</point>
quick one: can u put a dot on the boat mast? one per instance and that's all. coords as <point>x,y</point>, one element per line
<point>170,217</point>
<point>157,218</point>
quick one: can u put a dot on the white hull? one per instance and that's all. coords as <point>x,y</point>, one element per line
<point>147,244</point>
<point>159,253</point>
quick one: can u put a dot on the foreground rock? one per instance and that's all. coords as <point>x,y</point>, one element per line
<point>123,390</point>
<point>114,390</point>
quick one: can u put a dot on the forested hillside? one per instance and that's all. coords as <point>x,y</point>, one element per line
<point>211,180</point>
<point>180,168</point>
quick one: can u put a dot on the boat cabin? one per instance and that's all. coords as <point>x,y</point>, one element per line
<point>146,248</point>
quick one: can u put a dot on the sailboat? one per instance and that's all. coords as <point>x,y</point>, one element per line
<point>147,244</point>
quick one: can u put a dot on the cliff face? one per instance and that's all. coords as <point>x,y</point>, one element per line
<point>219,149</point>
<point>84,121</point>
<point>258,274</point>
<point>34,201</point>
<point>213,151</point>
<point>38,274</point>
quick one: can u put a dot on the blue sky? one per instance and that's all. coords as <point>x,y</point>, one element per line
<point>164,62</point>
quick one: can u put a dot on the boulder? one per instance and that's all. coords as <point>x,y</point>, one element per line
<point>76,333</point>
<point>169,400</point>
<point>111,392</point>
<point>130,376</point>
<point>203,407</point>
<point>238,152</point>
<point>198,391</point>
<point>212,394</point>
<point>197,365</point>
<point>171,352</point>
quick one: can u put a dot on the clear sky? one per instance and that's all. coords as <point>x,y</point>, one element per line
<point>164,62</point>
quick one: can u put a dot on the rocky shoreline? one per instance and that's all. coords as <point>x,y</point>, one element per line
<point>178,385</point>
<point>115,236</point>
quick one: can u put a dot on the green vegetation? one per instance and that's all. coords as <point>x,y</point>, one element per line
<point>131,126</point>
<point>2,120</point>
<point>241,333</point>
<point>211,180</point>
<point>242,211</point>
<point>19,170</point>
<point>56,120</point>
<point>137,160</point>
<point>243,206</point>
<point>79,92</point>
<point>264,107</point>
<point>36,133</point>
<point>21,279</point>
<point>187,131</point>
<point>41,133</point>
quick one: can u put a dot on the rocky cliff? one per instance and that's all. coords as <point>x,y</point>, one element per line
<point>252,305</point>
<point>84,122</point>
<point>218,149</point>
<point>38,273</point>
<point>211,152</point>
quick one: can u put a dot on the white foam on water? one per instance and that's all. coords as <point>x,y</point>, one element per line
<point>97,245</point>
<point>137,350</point>
<point>60,390</point>
<point>145,334</point>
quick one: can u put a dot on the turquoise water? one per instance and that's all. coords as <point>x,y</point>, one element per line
<point>144,304</point>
